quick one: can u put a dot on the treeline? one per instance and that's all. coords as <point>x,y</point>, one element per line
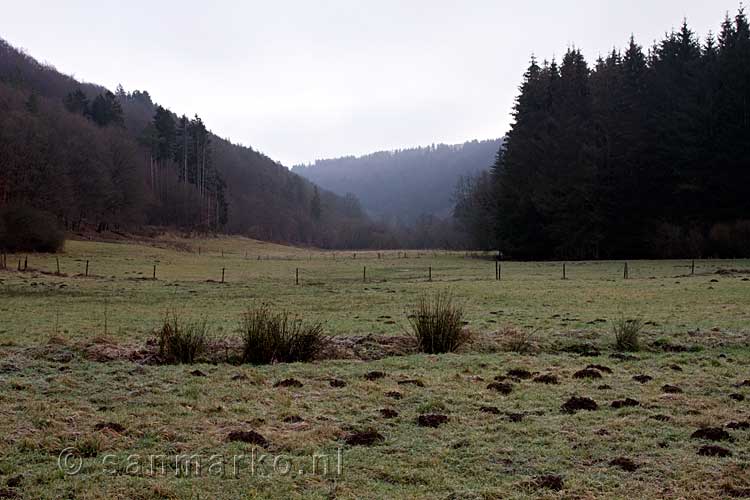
<point>647,154</point>
<point>108,161</point>
<point>400,187</point>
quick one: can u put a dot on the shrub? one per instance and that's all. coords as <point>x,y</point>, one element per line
<point>182,342</point>
<point>269,337</point>
<point>26,229</point>
<point>436,324</point>
<point>627,333</point>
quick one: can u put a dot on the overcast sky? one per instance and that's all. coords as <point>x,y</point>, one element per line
<point>301,80</point>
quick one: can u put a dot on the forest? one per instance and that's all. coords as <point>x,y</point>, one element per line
<point>402,185</point>
<point>645,154</point>
<point>97,160</point>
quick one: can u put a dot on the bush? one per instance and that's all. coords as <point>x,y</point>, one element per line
<point>26,229</point>
<point>269,337</point>
<point>436,324</point>
<point>182,343</point>
<point>627,333</point>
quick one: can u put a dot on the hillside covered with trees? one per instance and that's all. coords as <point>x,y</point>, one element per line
<point>645,154</point>
<point>118,161</point>
<point>403,185</point>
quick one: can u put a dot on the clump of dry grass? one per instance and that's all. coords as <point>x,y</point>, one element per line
<point>627,334</point>
<point>269,336</point>
<point>436,323</point>
<point>182,341</point>
<point>518,340</point>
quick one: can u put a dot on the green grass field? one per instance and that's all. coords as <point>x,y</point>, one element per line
<point>118,415</point>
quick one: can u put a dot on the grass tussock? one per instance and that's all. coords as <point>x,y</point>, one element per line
<point>270,336</point>
<point>182,341</point>
<point>436,323</point>
<point>627,334</point>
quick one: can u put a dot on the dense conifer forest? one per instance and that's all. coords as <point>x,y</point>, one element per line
<point>644,154</point>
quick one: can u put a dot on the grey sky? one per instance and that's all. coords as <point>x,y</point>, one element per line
<point>301,80</point>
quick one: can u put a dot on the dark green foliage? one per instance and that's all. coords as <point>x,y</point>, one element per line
<point>643,155</point>
<point>436,323</point>
<point>106,110</point>
<point>182,341</point>
<point>26,229</point>
<point>270,336</point>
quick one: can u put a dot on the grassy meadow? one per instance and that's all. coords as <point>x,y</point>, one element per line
<point>510,440</point>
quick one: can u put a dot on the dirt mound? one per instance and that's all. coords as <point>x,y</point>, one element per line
<point>587,373</point>
<point>583,350</point>
<point>415,382</point>
<point>623,403</point>
<point>643,378</point>
<point>601,368</point>
<point>711,434</point>
<point>624,357</point>
<point>388,413</point>
<point>549,482</point>
<point>367,437</point>
<point>624,463</point>
<point>675,367</point>
<point>711,450</point>
<point>250,437</point>
<point>493,410</point>
<point>547,379</point>
<point>293,419</point>
<point>337,382</point>
<point>197,373</point>
<point>288,382</point>
<point>671,389</point>
<point>737,397</point>
<point>111,426</point>
<point>576,403</point>
<point>515,417</point>
<point>744,425</point>
<point>374,375</point>
<point>432,420</point>
<point>500,387</point>
<point>394,395</point>
<point>521,373</point>
<point>604,387</point>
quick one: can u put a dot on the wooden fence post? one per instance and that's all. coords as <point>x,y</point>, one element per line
<point>154,275</point>
<point>87,269</point>
<point>625,272</point>
<point>296,276</point>
<point>364,274</point>
<point>429,269</point>
<point>564,272</point>
<point>57,260</point>
<point>222,274</point>
<point>692,268</point>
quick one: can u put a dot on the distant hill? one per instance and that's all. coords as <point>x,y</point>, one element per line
<point>117,160</point>
<point>404,184</point>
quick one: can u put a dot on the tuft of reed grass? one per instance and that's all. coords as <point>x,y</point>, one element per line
<point>627,334</point>
<point>270,336</point>
<point>436,323</point>
<point>182,341</point>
